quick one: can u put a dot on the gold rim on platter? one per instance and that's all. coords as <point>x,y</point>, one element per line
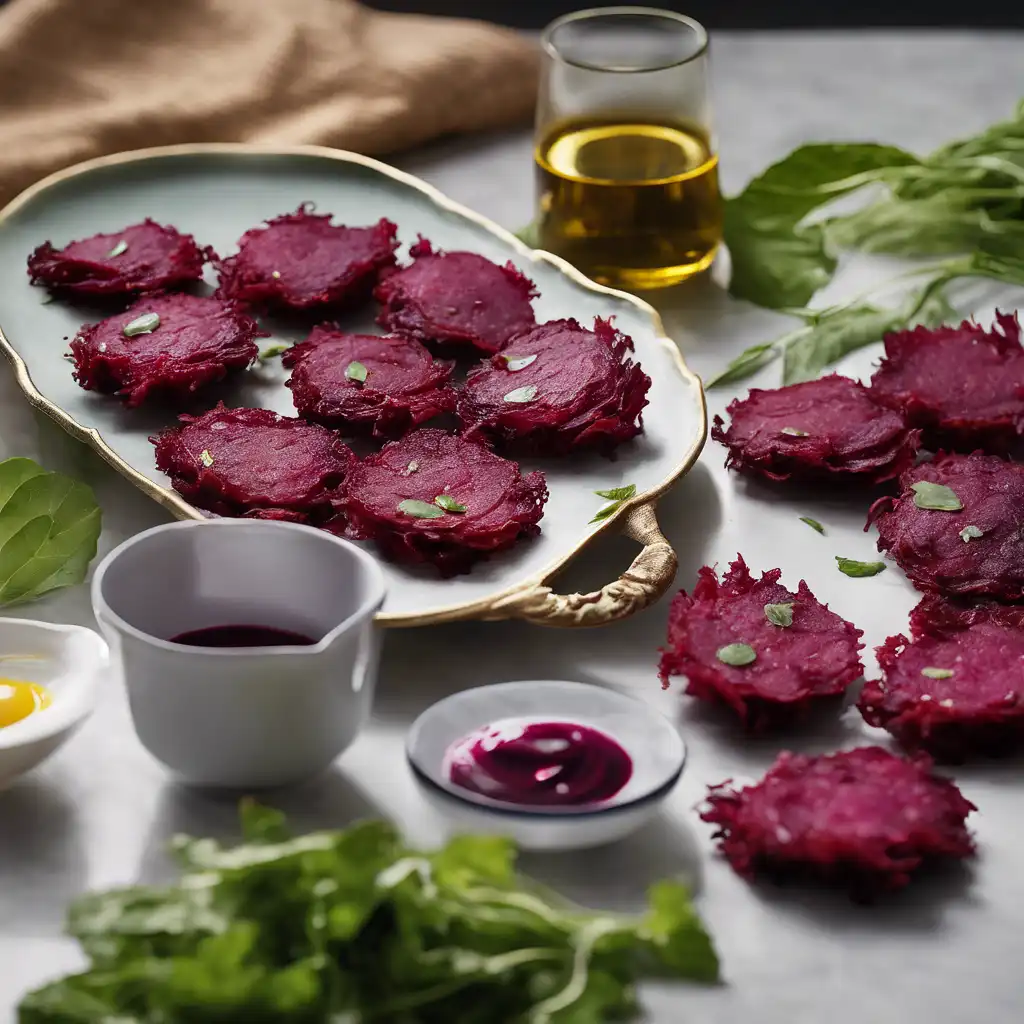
<point>532,599</point>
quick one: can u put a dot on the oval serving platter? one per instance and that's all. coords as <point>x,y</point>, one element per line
<point>218,191</point>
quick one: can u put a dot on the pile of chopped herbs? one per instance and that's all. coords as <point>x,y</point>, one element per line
<point>964,203</point>
<point>352,927</point>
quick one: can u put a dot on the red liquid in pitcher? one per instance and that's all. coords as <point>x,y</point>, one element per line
<point>242,636</point>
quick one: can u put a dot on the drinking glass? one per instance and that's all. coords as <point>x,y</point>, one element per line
<point>626,162</point>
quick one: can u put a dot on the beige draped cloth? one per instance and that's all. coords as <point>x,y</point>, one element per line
<point>83,78</point>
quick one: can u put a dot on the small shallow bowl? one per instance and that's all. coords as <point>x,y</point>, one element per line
<point>69,661</point>
<point>650,739</point>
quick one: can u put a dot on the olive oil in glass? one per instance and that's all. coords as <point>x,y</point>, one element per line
<point>626,166</point>
<point>629,203</point>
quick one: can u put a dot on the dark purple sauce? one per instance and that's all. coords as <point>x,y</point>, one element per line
<point>539,763</point>
<point>242,636</point>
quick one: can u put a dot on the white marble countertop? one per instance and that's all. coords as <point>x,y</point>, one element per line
<point>946,951</point>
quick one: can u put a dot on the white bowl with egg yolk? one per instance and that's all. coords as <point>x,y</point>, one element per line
<point>67,662</point>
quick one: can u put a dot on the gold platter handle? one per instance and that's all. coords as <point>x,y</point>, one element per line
<point>650,575</point>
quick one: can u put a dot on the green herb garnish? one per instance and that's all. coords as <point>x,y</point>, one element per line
<point>145,324</point>
<point>969,533</point>
<point>736,655</point>
<point>420,509</point>
<point>526,394</point>
<point>779,614</point>
<point>49,526</point>
<point>748,362</point>
<point>617,495</point>
<point>121,247</point>
<point>812,523</point>
<point>206,458</point>
<point>937,497</point>
<point>529,234</point>
<point>852,567</point>
<point>937,673</point>
<point>355,371</point>
<point>516,363</point>
<point>448,503</point>
<point>272,352</point>
<point>354,925</point>
<point>961,203</point>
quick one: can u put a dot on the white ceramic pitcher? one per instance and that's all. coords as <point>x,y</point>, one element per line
<point>246,717</point>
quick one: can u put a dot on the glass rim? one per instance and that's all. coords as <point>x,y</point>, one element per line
<point>595,13</point>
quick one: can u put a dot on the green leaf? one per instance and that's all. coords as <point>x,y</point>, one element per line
<point>939,225</point>
<point>529,234</point>
<point>448,503</point>
<point>353,925</point>
<point>618,493</point>
<point>517,363</point>
<point>776,261</point>
<point>272,352</point>
<point>745,364</point>
<point>355,371</point>
<point>469,859</point>
<point>419,509</point>
<point>937,497</point>
<point>617,496</point>
<point>605,512</point>
<point>812,523</point>
<point>49,527</point>
<point>145,324</point>
<point>779,614</point>
<point>852,567</point>
<point>78,999</point>
<point>262,824</point>
<point>969,533</point>
<point>937,673</point>
<point>676,935</point>
<point>118,249</point>
<point>775,265</point>
<point>833,333</point>
<point>737,655</point>
<point>526,394</point>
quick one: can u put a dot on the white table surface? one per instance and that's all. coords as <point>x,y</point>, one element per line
<point>947,951</point>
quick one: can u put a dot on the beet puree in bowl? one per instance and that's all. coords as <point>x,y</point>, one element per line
<point>554,765</point>
<point>540,763</point>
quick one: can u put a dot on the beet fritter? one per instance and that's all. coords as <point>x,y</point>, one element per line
<point>822,430</point>
<point>456,300</point>
<point>963,386</point>
<point>764,651</point>
<point>255,463</point>
<point>301,261</point>
<point>438,499</point>
<point>957,526</point>
<point>144,257</point>
<point>557,389</point>
<point>366,384</point>
<point>955,688</point>
<point>864,819</point>
<point>175,345</point>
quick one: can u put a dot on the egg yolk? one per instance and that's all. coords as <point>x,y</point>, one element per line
<point>18,700</point>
